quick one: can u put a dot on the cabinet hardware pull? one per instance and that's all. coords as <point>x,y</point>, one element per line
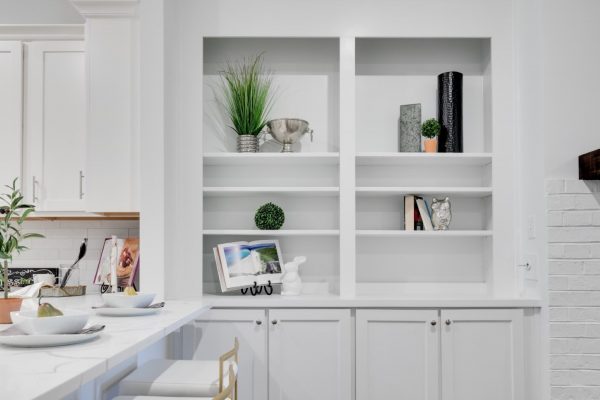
<point>448,322</point>
<point>34,198</point>
<point>258,322</point>
<point>433,323</point>
<point>274,322</point>
<point>81,176</point>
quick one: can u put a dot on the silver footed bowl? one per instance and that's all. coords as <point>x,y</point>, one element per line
<point>288,131</point>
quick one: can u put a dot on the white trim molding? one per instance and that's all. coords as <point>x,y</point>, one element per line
<point>106,8</point>
<point>42,32</point>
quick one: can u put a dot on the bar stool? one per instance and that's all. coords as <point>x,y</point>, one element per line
<point>182,378</point>
<point>225,394</point>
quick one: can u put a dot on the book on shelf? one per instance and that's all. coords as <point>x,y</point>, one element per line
<point>418,218</point>
<point>409,213</point>
<point>424,213</point>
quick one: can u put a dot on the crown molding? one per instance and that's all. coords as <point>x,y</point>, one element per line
<point>42,32</point>
<point>106,8</point>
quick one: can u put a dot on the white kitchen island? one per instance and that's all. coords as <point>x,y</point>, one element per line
<point>88,370</point>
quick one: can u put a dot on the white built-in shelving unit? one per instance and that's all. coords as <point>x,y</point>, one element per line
<point>343,193</point>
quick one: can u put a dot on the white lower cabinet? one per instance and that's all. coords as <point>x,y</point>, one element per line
<point>214,333</point>
<point>306,354</point>
<point>310,354</point>
<point>482,354</point>
<point>397,354</point>
<point>309,351</point>
<point>470,355</point>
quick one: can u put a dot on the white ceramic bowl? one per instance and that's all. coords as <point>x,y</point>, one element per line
<point>72,321</point>
<point>121,300</point>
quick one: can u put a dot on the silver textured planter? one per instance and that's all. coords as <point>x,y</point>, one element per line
<point>247,144</point>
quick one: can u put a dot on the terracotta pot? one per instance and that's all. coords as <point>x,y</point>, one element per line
<point>431,145</point>
<point>6,307</point>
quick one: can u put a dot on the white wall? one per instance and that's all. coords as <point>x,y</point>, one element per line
<point>38,12</point>
<point>571,54</point>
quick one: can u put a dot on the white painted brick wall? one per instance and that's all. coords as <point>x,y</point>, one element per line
<point>574,284</point>
<point>63,238</point>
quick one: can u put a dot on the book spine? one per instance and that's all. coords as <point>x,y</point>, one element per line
<point>425,216</point>
<point>409,213</point>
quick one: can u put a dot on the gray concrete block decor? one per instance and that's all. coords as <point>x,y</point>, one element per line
<point>410,128</point>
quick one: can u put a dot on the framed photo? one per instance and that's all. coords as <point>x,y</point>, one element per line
<point>240,264</point>
<point>121,255</point>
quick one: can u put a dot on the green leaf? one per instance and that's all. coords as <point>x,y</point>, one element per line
<point>4,256</point>
<point>25,214</point>
<point>33,235</point>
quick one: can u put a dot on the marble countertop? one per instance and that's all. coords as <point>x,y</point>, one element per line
<point>335,301</point>
<point>53,372</point>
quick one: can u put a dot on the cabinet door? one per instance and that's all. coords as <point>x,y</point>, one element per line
<point>310,354</point>
<point>11,102</point>
<point>397,354</point>
<point>55,125</point>
<point>482,354</point>
<point>214,334</point>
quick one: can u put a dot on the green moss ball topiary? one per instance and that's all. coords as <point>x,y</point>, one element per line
<point>269,217</point>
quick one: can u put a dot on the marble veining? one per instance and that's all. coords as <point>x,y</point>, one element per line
<point>53,372</point>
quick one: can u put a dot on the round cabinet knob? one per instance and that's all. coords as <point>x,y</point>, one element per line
<point>258,322</point>
<point>274,322</point>
<point>433,323</point>
<point>448,322</point>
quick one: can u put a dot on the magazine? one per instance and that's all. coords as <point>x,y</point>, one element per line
<point>240,264</point>
<point>122,256</point>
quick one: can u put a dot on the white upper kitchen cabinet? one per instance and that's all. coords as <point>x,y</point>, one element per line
<point>213,335</point>
<point>310,354</point>
<point>482,354</point>
<point>397,353</point>
<point>11,71</point>
<point>55,125</point>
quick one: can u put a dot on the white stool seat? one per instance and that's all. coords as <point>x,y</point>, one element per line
<point>175,378</point>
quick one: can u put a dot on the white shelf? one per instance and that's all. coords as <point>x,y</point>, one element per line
<point>436,159</point>
<point>423,234</point>
<point>425,190</point>
<point>271,159</point>
<point>296,191</point>
<point>281,232</point>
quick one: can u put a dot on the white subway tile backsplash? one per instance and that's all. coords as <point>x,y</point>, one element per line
<point>63,238</point>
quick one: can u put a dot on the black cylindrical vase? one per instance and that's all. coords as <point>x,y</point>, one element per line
<point>450,112</point>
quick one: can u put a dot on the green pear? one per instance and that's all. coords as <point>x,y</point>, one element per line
<point>48,310</point>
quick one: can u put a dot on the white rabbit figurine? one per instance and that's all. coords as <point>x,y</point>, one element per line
<point>292,284</point>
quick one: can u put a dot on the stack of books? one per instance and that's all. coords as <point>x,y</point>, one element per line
<point>417,215</point>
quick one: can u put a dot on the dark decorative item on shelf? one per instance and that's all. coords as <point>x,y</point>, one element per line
<point>450,112</point>
<point>247,99</point>
<point>441,214</point>
<point>288,131</point>
<point>409,140</point>
<point>430,131</point>
<point>13,212</point>
<point>589,165</point>
<point>269,216</point>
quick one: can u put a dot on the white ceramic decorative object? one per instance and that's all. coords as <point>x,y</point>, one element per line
<point>122,300</point>
<point>291,282</point>
<point>71,321</point>
<point>46,340</point>
<point>126,312</point>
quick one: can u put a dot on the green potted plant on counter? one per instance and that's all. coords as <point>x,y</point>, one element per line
<point>430,131</point>
<point>247,98</point>
<point>13,213</point>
